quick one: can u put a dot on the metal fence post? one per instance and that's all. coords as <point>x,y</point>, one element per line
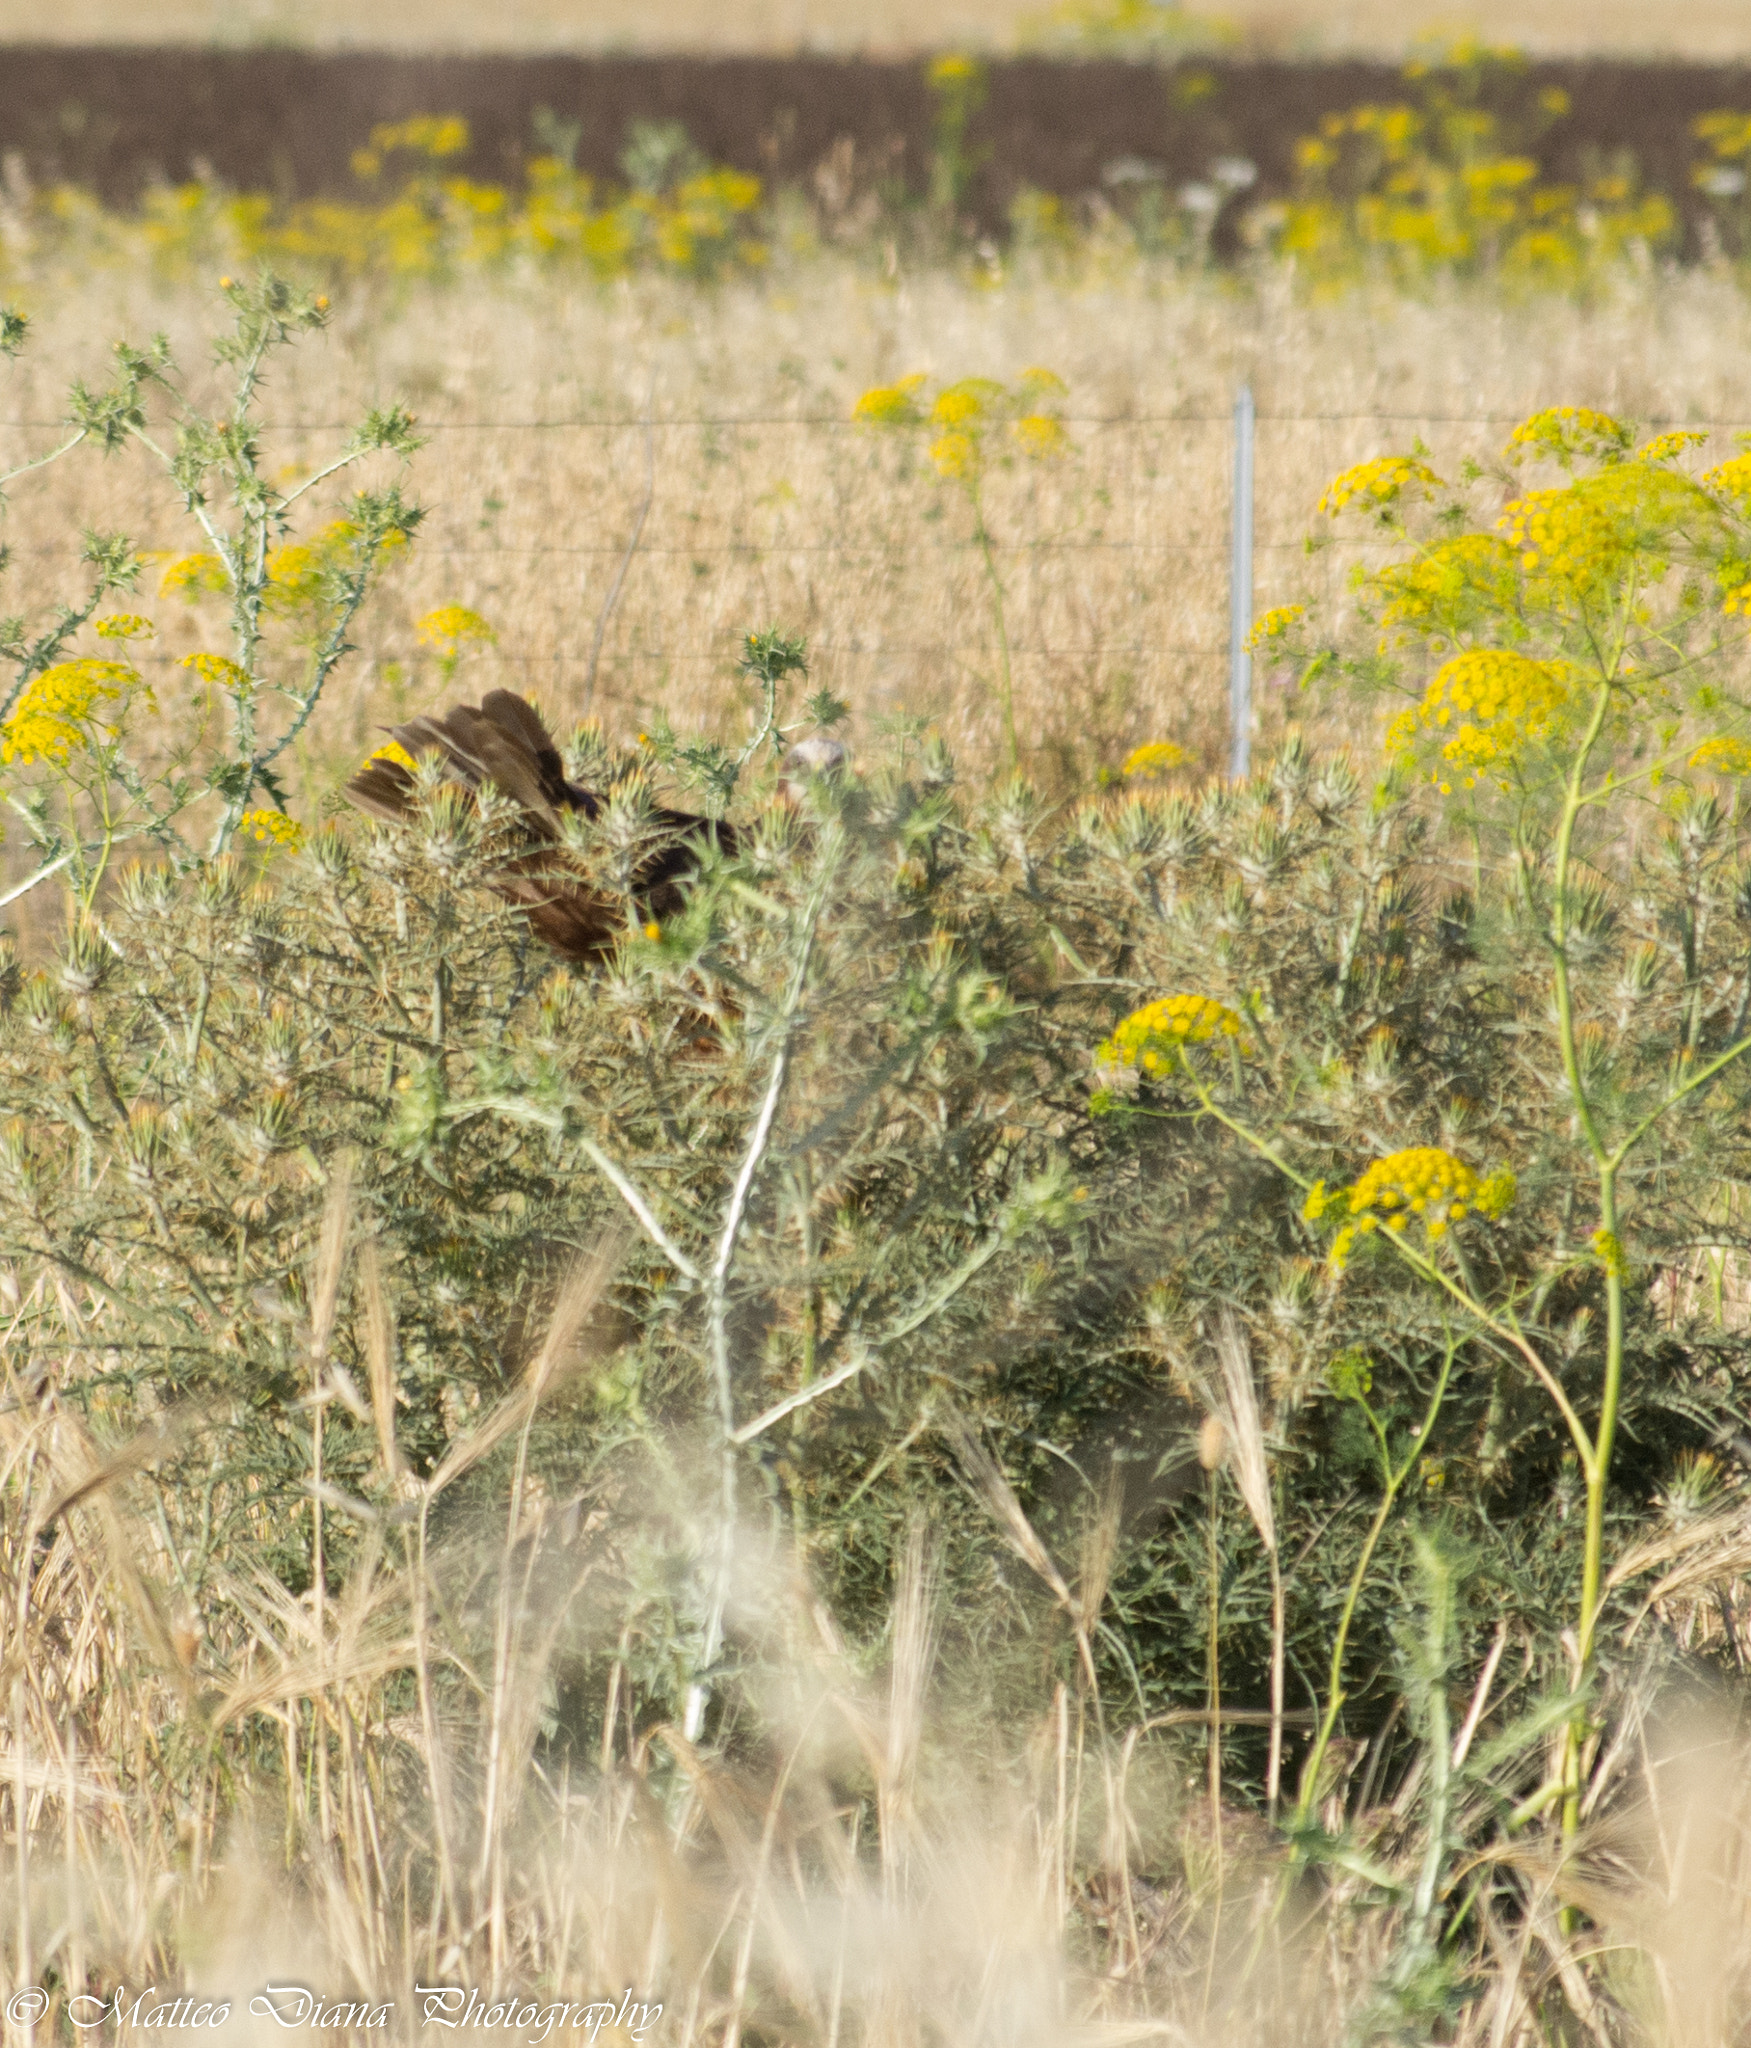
<point>1240,594</point>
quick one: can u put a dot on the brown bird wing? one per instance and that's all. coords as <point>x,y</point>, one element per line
<point>504,742</point>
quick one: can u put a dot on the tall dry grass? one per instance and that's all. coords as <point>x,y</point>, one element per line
<point>625,481</point>
<point>885,1849</point>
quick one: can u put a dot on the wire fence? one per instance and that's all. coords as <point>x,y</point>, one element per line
<point>1175,602</point>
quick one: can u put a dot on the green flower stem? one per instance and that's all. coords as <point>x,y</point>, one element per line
<point>1595,1451</point>
<point>1507,1331</point>
<point>1395,1477</point>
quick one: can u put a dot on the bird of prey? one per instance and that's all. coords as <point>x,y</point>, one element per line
<point>504,741</point>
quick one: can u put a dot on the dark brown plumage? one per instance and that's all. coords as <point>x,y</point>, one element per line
<point>503,741</point>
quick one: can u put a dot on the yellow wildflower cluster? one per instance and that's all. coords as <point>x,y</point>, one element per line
<point>271,829</point>
<point>393,751</point>
<point>1377,484</point>
<point>963,415</point>
<point>1607,1247</point>
<point>1430,190</point>
<point>429,221</point>
<point>1669,447</point>
<point>427,135</point>
<point>1154,1039</point>
<point>453,625</point>
<point>1440,590</point>
<point>124,626</point>
<point>1154,758</point>
<point>1040,436</point>
<point>1423,1185</point>
<point>1730,479</point>
<point>1728,135</point>
<point>65,709</point>
<point>1581,539</point>
<point>1485,706</point>
<point>891,405</point>
<point>216,668</point>
<point>950,71</point>
<point>1723,755</point>
<point>1562,432</point>
<point>193,576</point>
<point>1274,625</point>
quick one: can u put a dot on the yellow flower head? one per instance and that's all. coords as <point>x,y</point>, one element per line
<point>433,135</point>
<point>215,668</point>
<point>1607,1247</point>
<point>1378,484</point>
<point>1484,708</point>
<point>64,710</point>
<point>1723,756</point>
<point>452,626</point>
<point>1155,1038</point>
<point>1562,432</point>
<point>1580,540</point>
<point>190,575</point>
<point>952,71</point>
<point>1041,436</point>
<point>890,405</point>
<point>124,626</point>
<point>395,752</point>
<point>1274,625</point>
<point>1730,479</point>
<point>967,403</point>
<point>272,829</point>
<point>1441,588</point>
<point>1154,758</point>
<point>1668,447</point>
<point>956,455</point>
<point>1422,1186</point>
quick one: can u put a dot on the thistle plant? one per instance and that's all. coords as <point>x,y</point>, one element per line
<point>975,426</point>
<point>95,756</point>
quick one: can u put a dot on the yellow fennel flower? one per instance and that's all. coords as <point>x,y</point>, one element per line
<point>1154,1038</point>
<point>956,455</point>
<point>1668,447</point>
<point>395,752</point>
<point>453,625</point>
<point>1484,707</point>
<point>1723,755</point>
<point>272,829</point>
<point>961,403</point>
<point>1607,1247</point>
<point>63,710</point>
<point>1040,436</point>
<point>1153,758</point>
<point>124,626</point>
<point>1422,1187</point>
<point>1564,431</point>
<point>1378,483</point>
<point>1585,536</point>
<point>1441,589</point>
<point>1274,625</point>
<point>1730,479</point>
<point>192,574</point>
<point>216,668</point>
<point>890,405</point>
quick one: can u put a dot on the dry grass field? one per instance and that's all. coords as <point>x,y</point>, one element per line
<point>440,1542</point>
<point>769,507</point>
<point>1705,28</point>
